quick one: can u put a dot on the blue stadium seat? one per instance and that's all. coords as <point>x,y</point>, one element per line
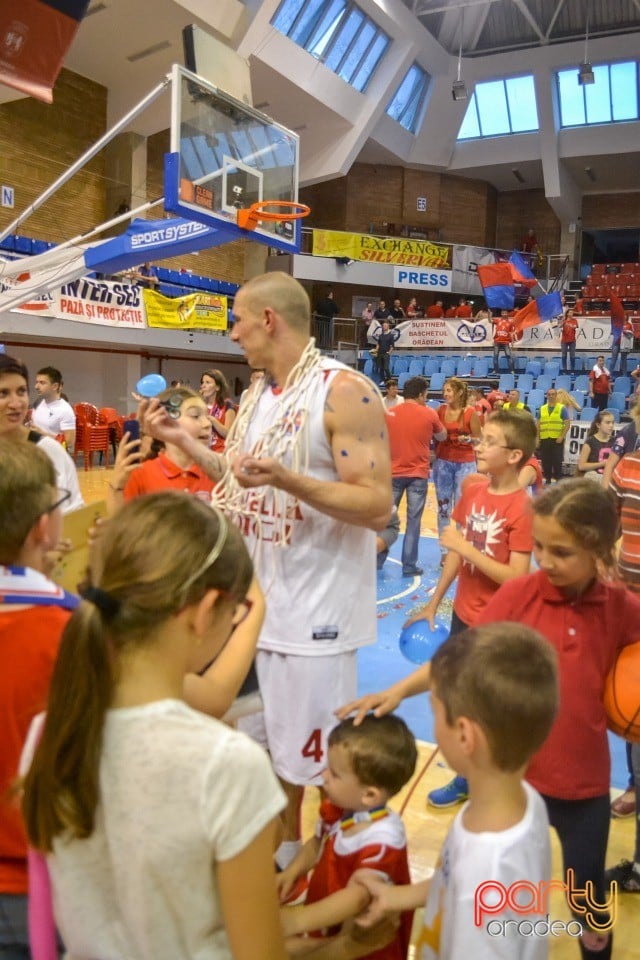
<point>465,366</point>
<point>618,401</point>
<point>622,385</point>
<point>582,383</point>
<point>437,381</point>
<point>448,367</point>
<point>563,382</point>
<point>524,383</point>
<point>416,368</point>
<point>507,382</point>
<point>431,366</point>
<point>579,396</point>
<point>368,367</point>
<point>402,379</point>
<point>520,364</point>
<point>578,364</point>
<point>534,367</point>
<point>587,414</point>
<point>552,368</point>
<point>434,404</point>
<point>543,382</point>
<point>481,367</point>
<point>535,399</point>
<point>399,365</point>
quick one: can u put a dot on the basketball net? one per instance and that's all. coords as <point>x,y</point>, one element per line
<point>283,441</point>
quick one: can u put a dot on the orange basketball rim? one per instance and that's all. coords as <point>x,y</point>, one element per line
<point>261,210</point>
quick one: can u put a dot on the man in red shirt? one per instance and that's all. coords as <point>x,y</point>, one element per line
<point>411,427</point>
<point>463,310</point>
<point>435,311</point>
<point>503,335</point>
<point>600,385</point>
<point>569,328</point>
<point>450,312</point>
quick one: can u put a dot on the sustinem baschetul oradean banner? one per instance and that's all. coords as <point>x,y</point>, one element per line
<point>372,249</point>
<point>197,311</point>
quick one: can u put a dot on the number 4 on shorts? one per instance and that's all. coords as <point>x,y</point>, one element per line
<point>313,746</point>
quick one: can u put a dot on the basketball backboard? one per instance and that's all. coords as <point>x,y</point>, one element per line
<point>226,155</point>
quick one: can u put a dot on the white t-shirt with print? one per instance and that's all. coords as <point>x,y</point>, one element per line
<point>179,792</point>
<point>54,417</point>
<point>522,852</point>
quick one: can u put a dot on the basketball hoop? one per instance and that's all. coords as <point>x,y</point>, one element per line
<point>249,219</point>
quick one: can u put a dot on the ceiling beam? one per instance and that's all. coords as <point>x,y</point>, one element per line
<point>425,9</point>
<point>533,23</point>
<point>555,16</point>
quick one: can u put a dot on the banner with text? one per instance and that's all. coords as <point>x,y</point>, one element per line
<point>203,311</point>
<point>103,302</point>
<point>397,250</point>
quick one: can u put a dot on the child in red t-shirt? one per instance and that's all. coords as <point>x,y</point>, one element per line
<point>368,764</point>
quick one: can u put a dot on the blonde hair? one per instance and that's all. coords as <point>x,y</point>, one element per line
<point>460,389</point>
<point>566,399</point>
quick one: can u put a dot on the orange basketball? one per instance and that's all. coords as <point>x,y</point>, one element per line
<point>622,694</point>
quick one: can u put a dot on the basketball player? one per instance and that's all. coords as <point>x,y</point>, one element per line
<point>307,475</point>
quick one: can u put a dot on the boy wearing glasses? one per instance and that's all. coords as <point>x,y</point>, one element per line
<point>33,614</point>
<point>490,543</point>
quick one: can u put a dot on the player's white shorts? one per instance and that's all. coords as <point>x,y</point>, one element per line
<point>300,695</point>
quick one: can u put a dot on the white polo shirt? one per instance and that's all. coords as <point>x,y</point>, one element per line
<point>54,417</point>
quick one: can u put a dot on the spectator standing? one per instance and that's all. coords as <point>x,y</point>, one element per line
<point>463,310</point>
<point>53,416</point>
<point>596,449</point>
<point>514,402</point>
<point>397,311</point>
<point>325,312</point>
<point>455,456</point>
<point>368,313</point>
<point>214,390</point>
<point>622,347</point>
<point>481,405</point>
<point>385,340</point>
<point>497,398</point>
<point>411,428</point>
<point>382,312</point>
<point>553,424</point>
<point>450,312</point>
<point>14,404</point>
<point>413,310</point>
<point>569,330</point>
<point>393,398</point>
<point>147,276</point>
<point>600,384</point>
<point>530,241</point>
<point>435,311</point>
<point>503,334</point>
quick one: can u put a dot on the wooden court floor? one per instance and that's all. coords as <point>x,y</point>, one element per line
<point>427,827</point>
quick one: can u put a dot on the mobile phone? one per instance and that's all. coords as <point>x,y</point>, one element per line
<point>132,427</point>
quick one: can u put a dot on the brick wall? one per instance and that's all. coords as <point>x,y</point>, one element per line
<point>467,211</point>
<point>383,199</point>
<point>517,210</point>
<point>39,141</point>
<point>607,211</point>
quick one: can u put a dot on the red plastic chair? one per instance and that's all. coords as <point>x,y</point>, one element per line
<point>114,421</point>
<point>91,435</point>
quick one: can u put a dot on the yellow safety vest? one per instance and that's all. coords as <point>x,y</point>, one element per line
<point>511,406</point>
<point>551,422</point>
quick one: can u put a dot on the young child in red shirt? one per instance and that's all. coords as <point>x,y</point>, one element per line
<point>368,764</point>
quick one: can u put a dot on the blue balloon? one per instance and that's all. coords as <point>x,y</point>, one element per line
<point>151,385</point>
<point>418,642</point>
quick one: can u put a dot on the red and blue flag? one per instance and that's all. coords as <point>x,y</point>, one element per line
<point>497,285</point>
<point>521,272</point>
<point>547,307</point>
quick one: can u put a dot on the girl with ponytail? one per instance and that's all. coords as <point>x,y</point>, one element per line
<point>158,821</point>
